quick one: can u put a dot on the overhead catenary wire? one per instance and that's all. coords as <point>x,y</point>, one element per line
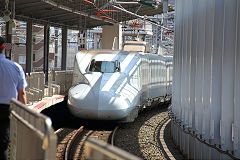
<point>124,10</point>
<point>141,17</point>
<point>106,16</point>
<point>51,2</point>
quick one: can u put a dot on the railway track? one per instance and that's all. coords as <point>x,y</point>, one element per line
<point>71,141</point>
<point>149,136</point>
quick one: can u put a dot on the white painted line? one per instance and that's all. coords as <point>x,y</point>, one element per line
<point>167,151</point>
<point>59,130</point>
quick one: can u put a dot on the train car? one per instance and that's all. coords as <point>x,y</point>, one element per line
<point>116,85</point>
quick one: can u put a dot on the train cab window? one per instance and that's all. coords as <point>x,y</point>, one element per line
<point>104,66</point>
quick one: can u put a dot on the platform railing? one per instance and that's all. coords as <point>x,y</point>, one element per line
<point>31,134</point>
<point>59,82</point>
<point>64,80</point>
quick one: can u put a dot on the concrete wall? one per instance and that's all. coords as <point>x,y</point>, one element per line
<point>206,86</point>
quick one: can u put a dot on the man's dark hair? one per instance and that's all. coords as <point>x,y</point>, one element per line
<point>1,43</point>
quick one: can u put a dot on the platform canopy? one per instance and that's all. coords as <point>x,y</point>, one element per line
<point>76,14</point>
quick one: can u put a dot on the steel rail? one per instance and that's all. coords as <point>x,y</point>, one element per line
<point>113,135</point>
<point>70,142</point>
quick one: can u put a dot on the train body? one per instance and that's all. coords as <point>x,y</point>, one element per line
<point>115,85</point>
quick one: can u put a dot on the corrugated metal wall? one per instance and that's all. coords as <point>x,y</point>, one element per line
<point>206,86</point>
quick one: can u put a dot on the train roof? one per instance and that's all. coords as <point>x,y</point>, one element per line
<point>139,46</point>
<point>94,53</point>
<point>106,51</point>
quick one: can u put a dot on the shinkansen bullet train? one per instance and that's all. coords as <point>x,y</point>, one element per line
<point>116,85</point>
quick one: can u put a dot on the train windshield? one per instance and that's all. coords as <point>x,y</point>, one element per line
<point>103,66</point>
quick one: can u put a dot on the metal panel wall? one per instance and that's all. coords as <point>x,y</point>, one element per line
<point>236,117</point>
<point>206,85</point>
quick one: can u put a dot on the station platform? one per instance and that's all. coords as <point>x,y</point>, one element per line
<point>46,102</point>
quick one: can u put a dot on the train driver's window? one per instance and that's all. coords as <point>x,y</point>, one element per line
<point>102,66</point>
<point>117,66</point>
<point>92,65</point>
<point>108,67</point>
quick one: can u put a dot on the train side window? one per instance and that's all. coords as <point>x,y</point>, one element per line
<point>135,79</point>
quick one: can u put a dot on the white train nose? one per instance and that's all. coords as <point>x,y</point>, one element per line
<point>86,102</point>
<point>83,101</point>
<point>112,107</point>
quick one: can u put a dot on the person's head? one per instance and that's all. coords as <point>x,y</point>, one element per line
<point>2,41</point>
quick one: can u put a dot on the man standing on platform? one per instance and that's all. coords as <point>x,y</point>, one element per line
<point>12,85</point>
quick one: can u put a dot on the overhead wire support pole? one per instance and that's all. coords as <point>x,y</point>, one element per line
<point>164,16</point>
<point>46,51</point>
